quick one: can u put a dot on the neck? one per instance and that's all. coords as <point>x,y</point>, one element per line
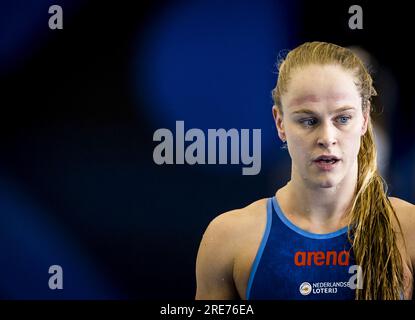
<point>319,206</point>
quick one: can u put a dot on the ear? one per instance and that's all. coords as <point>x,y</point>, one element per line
<point>366,117</point>
<point>279,122</point>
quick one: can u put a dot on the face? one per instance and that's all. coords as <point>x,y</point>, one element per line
<point>322,116</point>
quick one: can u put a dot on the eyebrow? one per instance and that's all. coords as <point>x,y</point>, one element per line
<point>308,111</point>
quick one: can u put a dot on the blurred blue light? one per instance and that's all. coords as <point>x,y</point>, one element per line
<point>24,28</point>
<point>212,64</point>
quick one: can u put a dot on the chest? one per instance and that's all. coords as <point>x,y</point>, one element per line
<point>324,273</point>
<point>298,268</point>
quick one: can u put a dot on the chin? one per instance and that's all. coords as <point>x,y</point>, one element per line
<point>329,180</point>
<point>329,183</point>
<point>324,182</point>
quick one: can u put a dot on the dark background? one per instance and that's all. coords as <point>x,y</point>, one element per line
<point>79,106</point>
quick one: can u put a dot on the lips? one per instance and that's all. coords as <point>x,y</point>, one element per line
<point>326,162</point>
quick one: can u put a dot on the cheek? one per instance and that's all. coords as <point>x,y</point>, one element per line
<point>298,147</point>
<point>351,146</point>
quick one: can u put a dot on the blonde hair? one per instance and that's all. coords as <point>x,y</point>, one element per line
<point>371,232</point>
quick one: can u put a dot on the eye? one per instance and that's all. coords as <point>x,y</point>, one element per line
<point>308,122</point>
<point>344,119</point>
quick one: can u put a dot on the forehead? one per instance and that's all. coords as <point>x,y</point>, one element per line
<point>315,84</point>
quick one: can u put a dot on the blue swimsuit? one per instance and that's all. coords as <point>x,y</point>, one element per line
<point>293,264</point>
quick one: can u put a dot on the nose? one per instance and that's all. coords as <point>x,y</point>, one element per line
<point>326,136</point>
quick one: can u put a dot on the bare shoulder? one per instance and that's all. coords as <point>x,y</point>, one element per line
<point>226,229</point>
<point>218,248</point>
<point>240,217</point>
<point>233,223</point>
<point>405,212</point>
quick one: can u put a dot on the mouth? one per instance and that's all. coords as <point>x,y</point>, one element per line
<point>326,163</point>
